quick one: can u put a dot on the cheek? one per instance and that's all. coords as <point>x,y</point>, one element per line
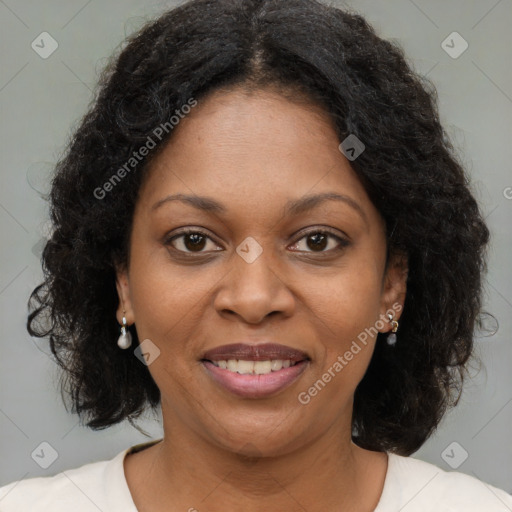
<point>345,311</point>
<point>350,299</point>
<point>166,299</point>
<point>167,311</point>
<point>346,315</point>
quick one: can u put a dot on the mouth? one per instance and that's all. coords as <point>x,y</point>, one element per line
<point>246,367</point>
<point>255,371</point>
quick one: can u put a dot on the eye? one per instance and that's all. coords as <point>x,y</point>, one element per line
<point>320,241</point>
<point>196,241</point>
<point>190,241</point>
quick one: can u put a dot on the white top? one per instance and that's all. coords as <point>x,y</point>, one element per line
<point>411,485</point>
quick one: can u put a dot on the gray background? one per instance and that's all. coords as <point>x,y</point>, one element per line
<point>41,100</point>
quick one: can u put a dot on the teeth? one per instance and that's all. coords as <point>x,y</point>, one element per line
<point>253,367</point>
<point>262,367</point>
<point>245,367</point>
<point>276,365</point>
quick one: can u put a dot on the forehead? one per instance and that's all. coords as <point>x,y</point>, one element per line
<point>249,149</point>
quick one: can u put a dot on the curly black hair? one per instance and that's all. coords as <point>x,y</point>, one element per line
<point>409,169</point>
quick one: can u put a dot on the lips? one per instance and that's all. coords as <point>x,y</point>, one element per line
<point>246,352</point>
<point>254,371</point>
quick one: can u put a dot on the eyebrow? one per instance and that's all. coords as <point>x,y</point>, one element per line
<point>292,207</point>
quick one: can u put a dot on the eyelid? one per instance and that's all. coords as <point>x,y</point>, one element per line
<point>343,240</point>
<point>168,238</point>
<point>321,229</point>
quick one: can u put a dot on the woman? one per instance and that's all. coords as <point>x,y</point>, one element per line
<point>260,226</point>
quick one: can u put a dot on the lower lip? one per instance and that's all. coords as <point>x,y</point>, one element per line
<point>255,386</point>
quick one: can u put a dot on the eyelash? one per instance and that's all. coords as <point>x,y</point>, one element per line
<point>343,243</point>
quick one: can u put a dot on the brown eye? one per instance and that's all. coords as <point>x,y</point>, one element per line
<point>319,241</point>
<point>194,242</point>
<point>191,241</point>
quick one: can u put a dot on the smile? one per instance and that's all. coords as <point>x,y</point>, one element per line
<point>254,371</point>
<point>244,367</point>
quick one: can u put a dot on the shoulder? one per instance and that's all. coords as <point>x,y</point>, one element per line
<point>89,487</point>
<point>414,485</point>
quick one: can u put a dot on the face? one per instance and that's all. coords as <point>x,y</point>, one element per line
<point>257,260</point>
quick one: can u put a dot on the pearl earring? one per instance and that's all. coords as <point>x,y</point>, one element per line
<point>125,339</point>
<point>391,338</point>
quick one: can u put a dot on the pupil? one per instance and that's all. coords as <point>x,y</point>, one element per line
<point>319,241</point>
<point>197,241</point>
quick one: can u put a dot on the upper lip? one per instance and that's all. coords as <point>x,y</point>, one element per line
<point>248,352</point>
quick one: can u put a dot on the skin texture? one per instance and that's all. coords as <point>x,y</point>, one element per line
<point>253,152</point>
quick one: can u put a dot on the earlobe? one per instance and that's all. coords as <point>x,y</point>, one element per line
<point>124,308</point>
<point>395,286</point>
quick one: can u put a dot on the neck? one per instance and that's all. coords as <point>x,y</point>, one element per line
<point>329,473</point>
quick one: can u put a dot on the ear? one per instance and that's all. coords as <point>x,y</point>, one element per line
<point>123,293</point>
<point>394,286</point>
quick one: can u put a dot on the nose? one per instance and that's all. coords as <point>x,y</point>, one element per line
<point>253,291</point>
